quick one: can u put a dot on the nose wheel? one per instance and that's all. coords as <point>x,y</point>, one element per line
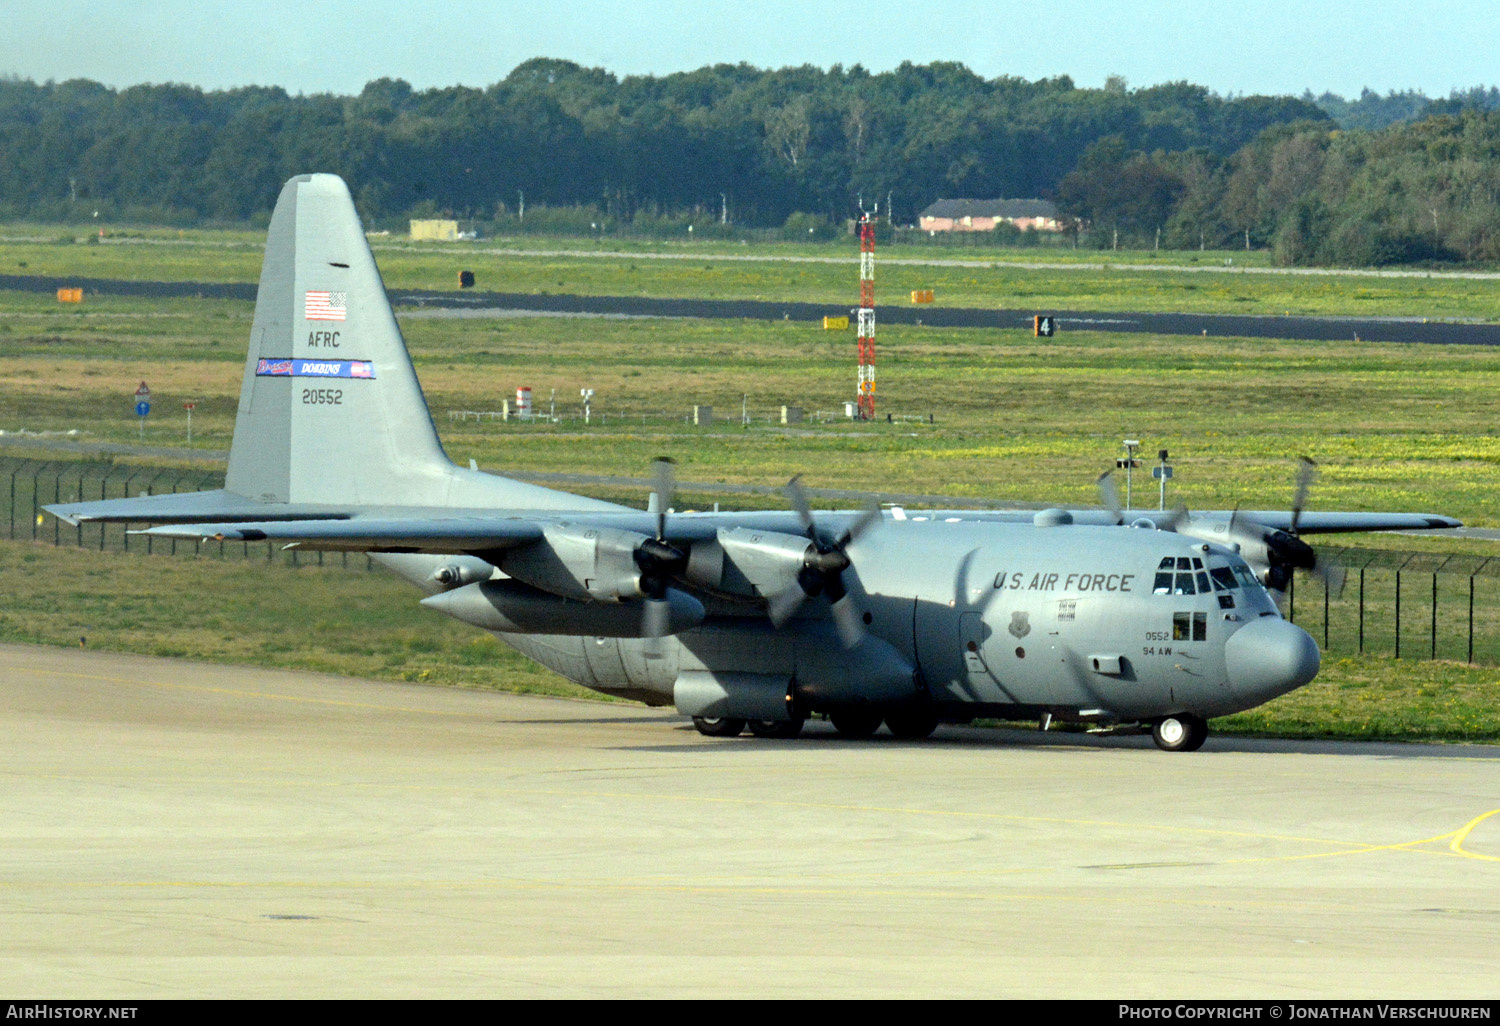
<point>1181,733</point>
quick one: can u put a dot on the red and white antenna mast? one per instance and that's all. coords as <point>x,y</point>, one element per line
<point>866,314</point>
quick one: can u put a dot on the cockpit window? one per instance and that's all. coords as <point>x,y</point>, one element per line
<point>1185,575</point>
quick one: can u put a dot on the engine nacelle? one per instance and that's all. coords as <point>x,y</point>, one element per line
<point>769,561</point>
<point>588,564</point>
<point>513,607</point>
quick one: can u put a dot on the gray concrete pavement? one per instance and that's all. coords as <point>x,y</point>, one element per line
<point>173,829</point>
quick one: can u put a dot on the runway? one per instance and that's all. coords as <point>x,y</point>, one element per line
<point>420,302</point>
<point>173,829</point>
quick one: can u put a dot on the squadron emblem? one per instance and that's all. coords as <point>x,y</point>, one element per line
<point>1020,624</point>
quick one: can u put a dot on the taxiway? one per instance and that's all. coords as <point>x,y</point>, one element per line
<point>174,829</point>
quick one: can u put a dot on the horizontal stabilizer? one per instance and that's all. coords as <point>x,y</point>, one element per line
<point>189,507</point>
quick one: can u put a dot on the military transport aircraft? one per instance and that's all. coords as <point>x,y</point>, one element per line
<point>738,619</point>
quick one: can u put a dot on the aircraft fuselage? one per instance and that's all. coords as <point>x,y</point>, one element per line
<point>1099,624</point>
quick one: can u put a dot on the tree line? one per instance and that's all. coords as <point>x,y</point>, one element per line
<point>1174,165</point>
<point>1415,192</point>
<point>761,143</point>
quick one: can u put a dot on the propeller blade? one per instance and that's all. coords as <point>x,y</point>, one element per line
<point>868,519</point>
<point>656,617</point>
<point>1332,573</point>
<point>1305,474</point>
<point>1111,495</point>
<point>783,606</point>
<point>797,496</point>
<point>664,483</point>
<point>848,620</point>
<point>1176,519</point>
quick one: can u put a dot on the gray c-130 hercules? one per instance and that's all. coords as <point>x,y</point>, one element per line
<point>754,619</point>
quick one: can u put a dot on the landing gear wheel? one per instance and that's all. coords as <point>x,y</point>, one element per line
<point>855,722</point>
<point>782,729</point>
<point>1181,733</point>
<point>911,724</point>
<point>719,726</point>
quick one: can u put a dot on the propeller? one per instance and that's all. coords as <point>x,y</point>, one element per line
<point>1325,567</point>
<point>823,569</point>
<point>1307,470</point>
<point>1110,493</point>
<point>1280,552</point>
<point>659,561</point>
<point>1284,552</point>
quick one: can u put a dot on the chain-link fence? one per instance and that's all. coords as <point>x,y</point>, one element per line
<point>1411,605</point>
<point>27,485</point>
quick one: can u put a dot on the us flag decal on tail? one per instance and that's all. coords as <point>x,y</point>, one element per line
<point>324,306</point>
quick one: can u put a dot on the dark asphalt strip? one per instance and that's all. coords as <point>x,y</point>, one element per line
<point>1348,329</point>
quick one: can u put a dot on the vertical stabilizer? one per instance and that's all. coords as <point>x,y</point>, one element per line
<point>330,409</point>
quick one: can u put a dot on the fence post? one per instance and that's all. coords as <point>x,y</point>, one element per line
<point>13,474</point>
<point>1471,619</point>
<point>1434,615</point>
<point>1398,614</point>
<point>1361,610</point>
<point>125,527</point>
<point>35,476</point>
<point>79,525</point>
<point>175,482</point>
<point>103,485</point>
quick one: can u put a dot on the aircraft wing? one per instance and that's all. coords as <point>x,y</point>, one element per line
<point>446,531</point>
<point>1336,523</point>
<point>371,534</point>
<point>1308,523</point>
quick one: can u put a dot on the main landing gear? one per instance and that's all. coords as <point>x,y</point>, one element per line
<point>719,726</point>
<point>779,729</point>
<point>1183,732</point>
<point>910,723</point>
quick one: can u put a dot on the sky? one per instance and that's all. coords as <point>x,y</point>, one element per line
<point>312,46</point>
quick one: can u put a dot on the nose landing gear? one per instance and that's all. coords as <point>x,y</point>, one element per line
<point>1183,732</point>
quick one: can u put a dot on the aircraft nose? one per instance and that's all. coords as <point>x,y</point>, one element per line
<point>1269,657</point>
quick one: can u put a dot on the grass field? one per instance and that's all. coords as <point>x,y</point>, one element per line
<point>1013,418</point>
<point>1393,427</point>
<point>1189,283</point>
